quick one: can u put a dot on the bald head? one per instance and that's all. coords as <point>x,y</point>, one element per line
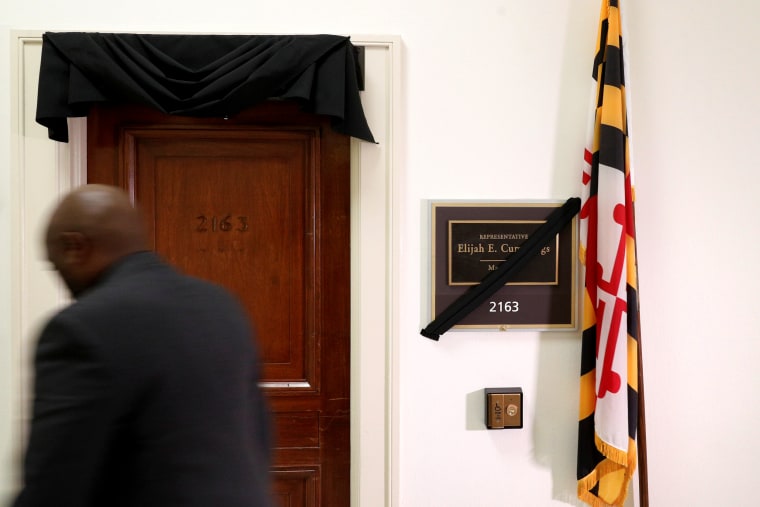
<point>92,227</point>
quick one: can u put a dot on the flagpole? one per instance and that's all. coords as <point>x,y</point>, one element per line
<point>641,430</point>
<point>641,434</point>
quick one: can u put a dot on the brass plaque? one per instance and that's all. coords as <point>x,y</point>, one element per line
<point>469,240</point>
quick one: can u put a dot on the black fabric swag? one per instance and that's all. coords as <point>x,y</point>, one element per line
<point>198,75</point>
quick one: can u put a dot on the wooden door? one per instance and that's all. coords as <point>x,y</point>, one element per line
<point>260,204</point>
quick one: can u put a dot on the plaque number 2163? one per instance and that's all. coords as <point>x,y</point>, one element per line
<point>504,306</point>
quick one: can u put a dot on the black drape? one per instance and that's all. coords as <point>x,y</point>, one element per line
<point>198,75</point>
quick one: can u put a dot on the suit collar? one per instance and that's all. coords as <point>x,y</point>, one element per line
<point>129,265</point>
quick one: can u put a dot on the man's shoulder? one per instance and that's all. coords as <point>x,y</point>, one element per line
<point>122,319</point>
<point>135,287</point>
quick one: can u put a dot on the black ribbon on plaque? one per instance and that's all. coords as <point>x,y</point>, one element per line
<point>496,279</point>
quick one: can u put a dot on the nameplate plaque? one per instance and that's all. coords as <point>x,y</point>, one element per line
<point>471,239</point>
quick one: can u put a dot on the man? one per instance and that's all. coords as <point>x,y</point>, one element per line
<point>146,387</point>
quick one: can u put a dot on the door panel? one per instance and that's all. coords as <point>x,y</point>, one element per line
<point>260,204</point>
<point>218,202</point>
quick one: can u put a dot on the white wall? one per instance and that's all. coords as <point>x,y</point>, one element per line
<point>495,99</point>
<point>7,385</point>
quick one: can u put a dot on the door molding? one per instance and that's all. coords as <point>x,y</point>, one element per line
<point>42,170</point>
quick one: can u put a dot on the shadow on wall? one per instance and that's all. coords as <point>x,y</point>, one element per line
<point>555,422</point>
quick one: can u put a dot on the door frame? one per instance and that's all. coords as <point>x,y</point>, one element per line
<point>42,170</point>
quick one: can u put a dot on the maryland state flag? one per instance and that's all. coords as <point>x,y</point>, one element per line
<point>609,364</point>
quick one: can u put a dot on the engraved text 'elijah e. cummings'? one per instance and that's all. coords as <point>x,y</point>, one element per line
<point>479,246</point>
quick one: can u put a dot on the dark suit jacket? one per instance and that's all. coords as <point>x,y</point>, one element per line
<point>146,395</point>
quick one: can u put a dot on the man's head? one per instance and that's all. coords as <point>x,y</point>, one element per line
<point>92,227</point>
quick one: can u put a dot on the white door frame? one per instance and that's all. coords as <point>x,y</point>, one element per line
<point>41,170</point>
